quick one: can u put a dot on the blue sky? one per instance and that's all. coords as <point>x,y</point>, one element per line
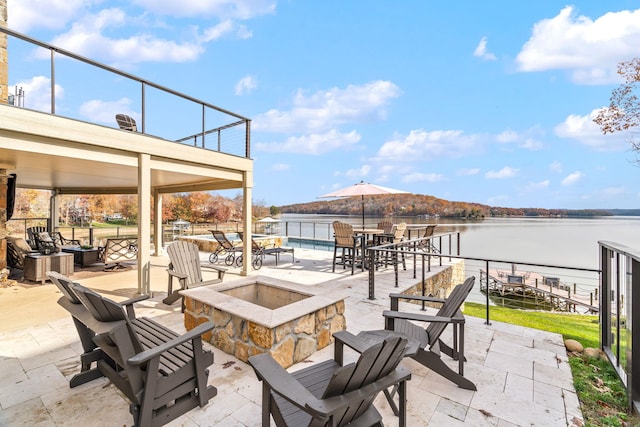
<point>488,102</point>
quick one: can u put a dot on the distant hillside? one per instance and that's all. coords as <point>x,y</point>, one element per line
<point>420,205</point>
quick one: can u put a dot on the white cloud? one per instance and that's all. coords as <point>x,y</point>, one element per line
<point>572,178</point>
<point>225,28</point>
<point>423,177</point>
<point>239,9</point>
<point>420,145</point>
<point>507,136</point>
<point>481,51</point>
<point>327,109</point>
<point>361,172</point>
<point>582,45</point>
<point>104,111</point>
<point>37,93</point>
<point>313,143</point>
<point>505,172</point>
<point>468,172</point>
<point>246,85</point>
<point>585,131</point>
<point>533,186</point>
<point>556,167</point>
<point>86,38</point>
<point>23,15</point>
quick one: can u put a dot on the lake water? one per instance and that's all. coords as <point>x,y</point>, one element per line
<point>568,242</point>
<point>558,241</point>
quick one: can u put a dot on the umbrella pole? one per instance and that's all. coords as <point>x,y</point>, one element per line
<point>362,211</point>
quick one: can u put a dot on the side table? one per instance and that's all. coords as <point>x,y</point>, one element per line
<point>36,266</point>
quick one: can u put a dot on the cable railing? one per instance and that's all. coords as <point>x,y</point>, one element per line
<point>156,106</point>
<point>507,283</point>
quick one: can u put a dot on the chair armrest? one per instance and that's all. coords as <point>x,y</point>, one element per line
<point>193,334</point>
<point>221,270</point>
<point>417,298</point>
<point>422,317</point>
<point>174,273</point>
<point>128,305</point>
<point>351,341</point>
<point>280,381</point>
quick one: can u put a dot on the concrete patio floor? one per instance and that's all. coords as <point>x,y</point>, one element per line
<point>522,375</point>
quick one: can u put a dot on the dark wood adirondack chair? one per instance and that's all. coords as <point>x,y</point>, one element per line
<point>91,352</point>
<point>163,374</point>
<point>185,265</point>
<point>329,394</point>
<point>429,344</point>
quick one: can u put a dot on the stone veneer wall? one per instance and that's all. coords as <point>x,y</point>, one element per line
<point>439,285</point>
<point>206,245</point>
<point>288,344</point>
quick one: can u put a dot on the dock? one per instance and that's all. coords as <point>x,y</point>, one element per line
<point>540,291</point>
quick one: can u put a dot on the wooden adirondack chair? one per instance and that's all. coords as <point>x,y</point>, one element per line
<point>163,374</point>
<point>329,394</point>
<point>185,266</point>
<point>430,346</point>
<point>91,352</point>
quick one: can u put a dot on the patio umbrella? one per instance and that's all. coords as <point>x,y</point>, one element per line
<point>362,189</point>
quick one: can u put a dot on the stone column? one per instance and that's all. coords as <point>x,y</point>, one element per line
<point>4,57</point>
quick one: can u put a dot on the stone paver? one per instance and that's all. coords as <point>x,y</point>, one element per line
<point>522,375</point>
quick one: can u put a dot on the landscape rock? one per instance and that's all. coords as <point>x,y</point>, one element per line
<point>593,352</point>
<point>573,345</point>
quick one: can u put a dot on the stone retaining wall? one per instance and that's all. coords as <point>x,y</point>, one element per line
<point>439,285</point>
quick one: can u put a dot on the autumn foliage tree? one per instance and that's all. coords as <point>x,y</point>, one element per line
<point>623,112</point>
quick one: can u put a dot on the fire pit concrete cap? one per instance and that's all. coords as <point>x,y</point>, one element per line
<point>214,296</point>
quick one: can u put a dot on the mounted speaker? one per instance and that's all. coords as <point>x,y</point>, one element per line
<point>11,194</point>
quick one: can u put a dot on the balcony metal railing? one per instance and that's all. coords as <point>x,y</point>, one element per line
<point>191,120</point>
<point>620,314</point>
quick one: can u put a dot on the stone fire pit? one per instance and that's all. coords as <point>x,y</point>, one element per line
<point>260,314</point>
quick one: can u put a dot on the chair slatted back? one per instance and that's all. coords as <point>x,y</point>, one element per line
<point>222,240</point>
<point>428,232</point>
<point>255,247</point>
<point>126,122</point>
<point>398,233</point>
<point>386,226</point>
<point>105,310</point>
<point>343,234</point>
<point>64,285</point>
<point>374,363</point>
<point>450,308</point>
<point>185,259</point>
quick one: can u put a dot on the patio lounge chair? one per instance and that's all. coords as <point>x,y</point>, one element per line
<point>225,248</point>
<point>258,252</point>
<point>185,265</point>
<point>126,123</point>
<point>425,343</point>
<point>161,373</point>
<point>329,394</point>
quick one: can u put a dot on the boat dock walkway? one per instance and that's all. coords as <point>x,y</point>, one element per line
<point>536,288</point>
